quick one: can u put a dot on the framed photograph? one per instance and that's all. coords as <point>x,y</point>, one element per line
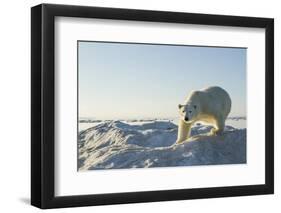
<point>139,106</point>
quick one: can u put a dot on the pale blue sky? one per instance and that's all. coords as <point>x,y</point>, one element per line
<point>121,80</point>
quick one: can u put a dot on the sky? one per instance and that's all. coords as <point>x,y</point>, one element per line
<point>128,80</point>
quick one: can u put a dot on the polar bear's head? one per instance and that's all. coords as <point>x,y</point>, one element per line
<point>188,112</point>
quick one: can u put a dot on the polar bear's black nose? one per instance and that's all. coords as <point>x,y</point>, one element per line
<point>186,118</point>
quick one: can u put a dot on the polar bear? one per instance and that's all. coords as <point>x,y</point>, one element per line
<point>210,105</point>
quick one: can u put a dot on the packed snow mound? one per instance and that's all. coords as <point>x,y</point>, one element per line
<point>115,144</point>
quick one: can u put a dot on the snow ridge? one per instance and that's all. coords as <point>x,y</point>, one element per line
<point>116,145</point>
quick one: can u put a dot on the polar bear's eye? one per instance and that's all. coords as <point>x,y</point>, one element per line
<point>190,111</point>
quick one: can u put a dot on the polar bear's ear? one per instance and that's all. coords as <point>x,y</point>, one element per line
<point>179,106</point>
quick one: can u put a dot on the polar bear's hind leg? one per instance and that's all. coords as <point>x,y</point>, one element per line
<point>219,127</point>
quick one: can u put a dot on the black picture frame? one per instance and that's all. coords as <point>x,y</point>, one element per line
<point>43,105</point>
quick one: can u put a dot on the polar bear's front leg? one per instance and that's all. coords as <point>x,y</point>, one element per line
<point>183,131</point>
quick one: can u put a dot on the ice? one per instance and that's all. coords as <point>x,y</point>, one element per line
<point>145,144</point>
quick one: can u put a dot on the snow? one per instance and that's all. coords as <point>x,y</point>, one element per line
<point>146,144</point>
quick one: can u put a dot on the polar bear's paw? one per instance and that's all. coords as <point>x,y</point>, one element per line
<point>216,132</point>
<point>180,142</point>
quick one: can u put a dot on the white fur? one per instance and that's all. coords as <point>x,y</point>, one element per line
<point>210,105</point>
